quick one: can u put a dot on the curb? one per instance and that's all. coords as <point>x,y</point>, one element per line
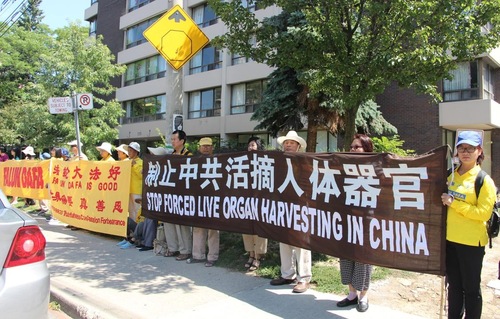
<point>74,304</point>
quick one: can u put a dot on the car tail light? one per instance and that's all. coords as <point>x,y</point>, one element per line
<point>28,247</point>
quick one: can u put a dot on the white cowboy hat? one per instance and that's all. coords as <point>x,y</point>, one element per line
<point>123,148</point>
<point>292,135</point>
<point>29,151</point>
<point>105,147</point>
<point>158,150</point>
<point>135,146</point>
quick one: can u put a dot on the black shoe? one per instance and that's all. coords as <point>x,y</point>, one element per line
<point>346,302</point>
<point>362,306</point>
<point>281,281</point>
<point>140,246</point>
<point>146,248</point>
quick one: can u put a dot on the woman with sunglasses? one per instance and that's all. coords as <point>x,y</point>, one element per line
<point>355,274</point>
<point>466,234</point>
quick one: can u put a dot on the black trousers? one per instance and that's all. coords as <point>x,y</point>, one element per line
<point>463,275</point>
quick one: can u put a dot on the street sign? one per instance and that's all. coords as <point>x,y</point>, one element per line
<point>84,101</point>
<point>60,105</point>
<point>176,36</point>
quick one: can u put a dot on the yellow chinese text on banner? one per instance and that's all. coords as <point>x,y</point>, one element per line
<point>91,195</point>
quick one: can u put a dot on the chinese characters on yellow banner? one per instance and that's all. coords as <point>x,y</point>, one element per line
<point>85,194</point>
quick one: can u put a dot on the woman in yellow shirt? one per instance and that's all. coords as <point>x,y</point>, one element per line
<point>466,234</point>
<point>105,151</point>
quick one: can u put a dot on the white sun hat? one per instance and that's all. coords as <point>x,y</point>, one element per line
<point>292,135</point>
<point>105,147</point>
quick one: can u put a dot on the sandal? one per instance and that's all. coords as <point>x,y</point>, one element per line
<point>171,253</point>
<point>255,265</point>
<point>249,262</point>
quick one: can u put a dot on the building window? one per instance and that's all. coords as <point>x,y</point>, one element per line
<point>136,4</point>
<point>145,70</point>
<point>247,97</point>
<point>204,103</point>
<point>147,109</point>
<point>488,82</point>
<point>205,60</point>
<point>251,5</point>
<point>237,58</point>
<point>135,34</point>
<point>204,16</point>
<point>93,27</point>
<point>464,83</point>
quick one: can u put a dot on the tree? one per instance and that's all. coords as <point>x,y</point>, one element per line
<point>32,15</point>
<point>286,106</point>
<point>352,50</point>
<point>70,62</point>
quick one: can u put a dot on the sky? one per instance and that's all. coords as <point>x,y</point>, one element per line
<point>59,13</point>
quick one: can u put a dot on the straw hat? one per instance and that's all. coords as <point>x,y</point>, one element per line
<point>292,135</point>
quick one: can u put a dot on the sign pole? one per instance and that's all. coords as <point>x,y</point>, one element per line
<point>77,124</point>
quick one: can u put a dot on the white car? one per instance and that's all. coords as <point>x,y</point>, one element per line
<point>24,276</point>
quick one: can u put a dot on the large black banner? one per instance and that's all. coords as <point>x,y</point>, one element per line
<point>376,208</point>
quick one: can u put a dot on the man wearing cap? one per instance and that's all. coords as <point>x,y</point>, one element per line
<point>105,151</point>
<point>295,261</point>
<point>178,237</point>
<point>73,148</point>
<point>203,236</point>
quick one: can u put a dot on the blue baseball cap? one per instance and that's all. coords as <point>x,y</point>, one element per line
<point>469,137</point>
<point>64,152</point>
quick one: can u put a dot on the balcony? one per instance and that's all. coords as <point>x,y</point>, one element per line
<point>471,114</point>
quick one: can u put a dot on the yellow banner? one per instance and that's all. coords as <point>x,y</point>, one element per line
<point>26,178</point>
<point>91,195</point>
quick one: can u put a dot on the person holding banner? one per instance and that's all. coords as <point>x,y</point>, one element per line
<point>466,234</point>
<point>178,237</point>
<point>73,148</point>
<point>135,197</point>
<point>290,255</point>
<point>203,236</point>
<point>105,151</point>
<point>255,246</point>
<point>122,151</point>
<point>3,156</point>
<point>355,274</point>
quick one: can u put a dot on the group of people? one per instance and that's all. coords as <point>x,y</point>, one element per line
<point>466,235</point>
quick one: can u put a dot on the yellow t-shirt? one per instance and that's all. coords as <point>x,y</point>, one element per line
<point>467,215</point>
<point>136,176</point>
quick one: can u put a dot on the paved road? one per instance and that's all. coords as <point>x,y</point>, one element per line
<point>93,279</point>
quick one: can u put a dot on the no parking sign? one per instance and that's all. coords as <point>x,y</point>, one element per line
<point>84,101</point>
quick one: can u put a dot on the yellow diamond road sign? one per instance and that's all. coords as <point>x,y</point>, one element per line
<point>176,36</point>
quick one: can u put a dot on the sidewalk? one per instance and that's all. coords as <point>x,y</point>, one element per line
<point>92,278</point>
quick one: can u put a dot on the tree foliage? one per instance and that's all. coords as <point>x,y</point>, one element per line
<point>284,108</point>
<point>391,145</point>
<point>352,50</point>
<point>40,65</point>
<point>32,15</point>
